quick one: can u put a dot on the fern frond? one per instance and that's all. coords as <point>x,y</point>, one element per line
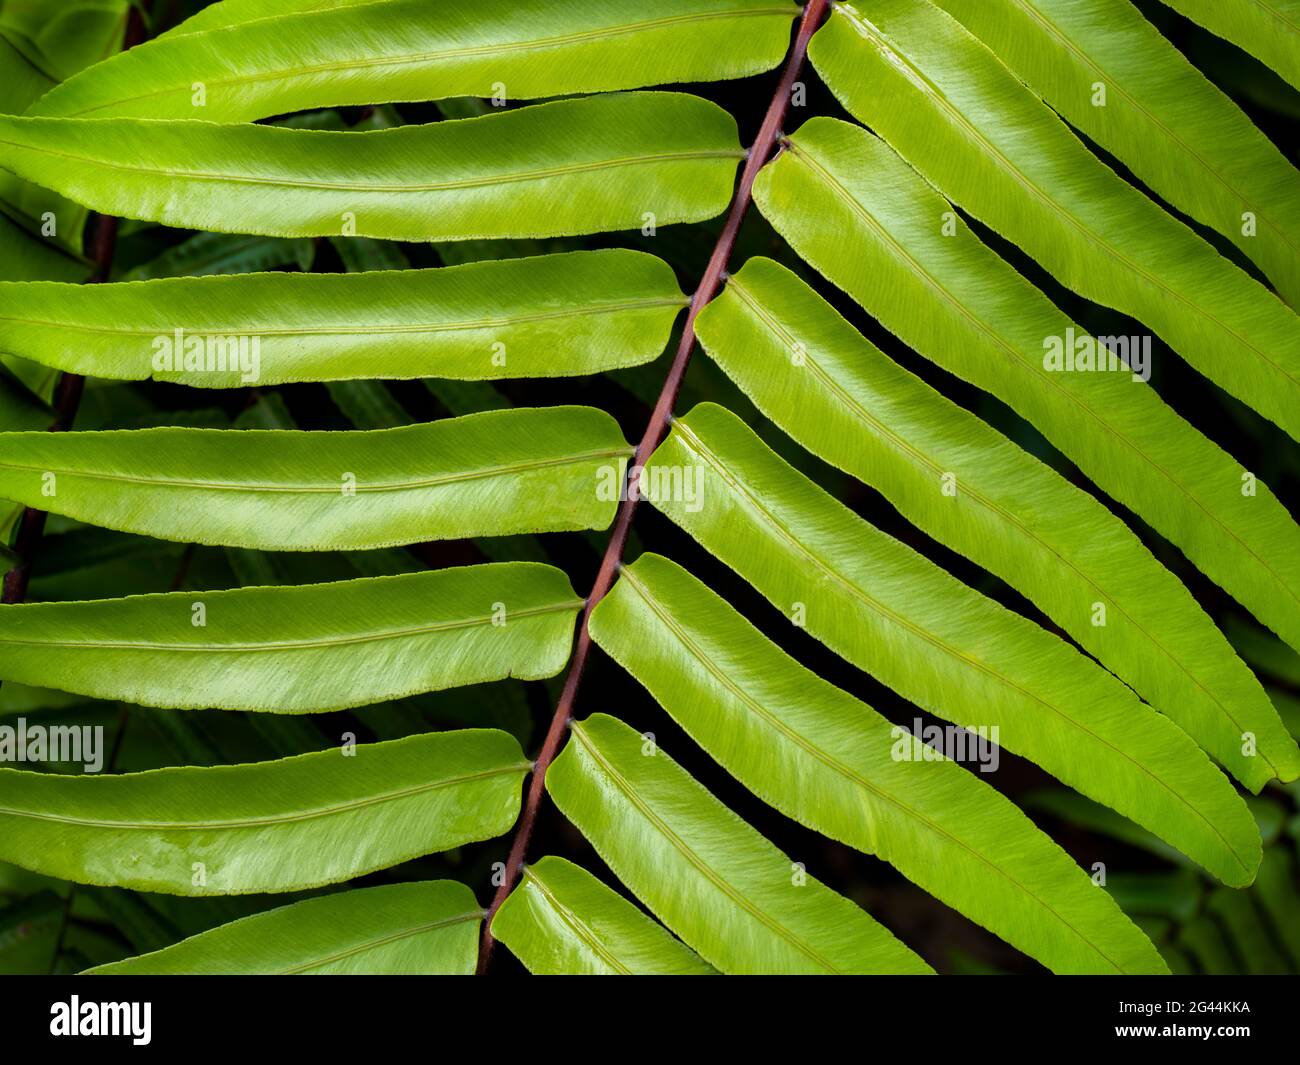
<point>299,649</point>
<point>547,315</point>
<point>491,474</point>
<point>366,53</point>
<point>950,108</point>
<point>1267,29</point>
<point>944,647</point>
<point>729,893</point>
<point>574,166</point>
<point>832,763</point>
<point>955,301</point>
<point>563,921</point>
<point>267,826</point>
<point>958,479</point>
<point>421,929</point>
<point>1113,76</point>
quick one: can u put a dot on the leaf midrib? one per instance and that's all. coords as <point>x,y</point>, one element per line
<point>1277,14</point>
<point>576,925</point>
<point>836,766</point>
<point>382,941</point>
<point>855,591</point>
<point>543,174</point>
<point>380,329</point>
<point>275,819</point>
<point>361,487</point>
<point>290,645</point>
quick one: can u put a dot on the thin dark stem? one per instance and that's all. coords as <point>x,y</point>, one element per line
<point>657,428</point>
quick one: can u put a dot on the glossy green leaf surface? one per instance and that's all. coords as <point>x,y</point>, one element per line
<point>298,649</point>
<point>1111,74</point>
<point>728,892</point>
<point>236,12</point>
<point>422,929</point>
<point>1267,29</point>
<point>574,166</point>
<point>945,647</point>
<point>969,126</point>
<point>561,921</point>
<point>830,762</point>
<point>548,315</point>
<point>491,474</point>
<point>423,259</point>
<point>954,300</point>
<point>266,826</point>
<point>369,53</point>
<point>969,487</point>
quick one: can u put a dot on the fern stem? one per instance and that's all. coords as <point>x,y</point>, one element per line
<point>769,133</point>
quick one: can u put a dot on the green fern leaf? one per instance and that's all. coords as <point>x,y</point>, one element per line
<point>491,474</point>
<point>1112,75</point>
<point>299,649</point>
<point>971,488</point>
<point>422,929</point>
<point>1268,29</point>
<point>707,875</point>
<point>268,826</point>
<point>820,756</point>
<point>364,53</point>
<point>951,109</point>
<point>574,166</point>
<point>563,921</point>
<point>218,581</point>
<point>957,302</point>
<point>549,315</point>
<point>943,646</point>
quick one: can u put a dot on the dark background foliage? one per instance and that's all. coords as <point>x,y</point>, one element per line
<point>40,930</point>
